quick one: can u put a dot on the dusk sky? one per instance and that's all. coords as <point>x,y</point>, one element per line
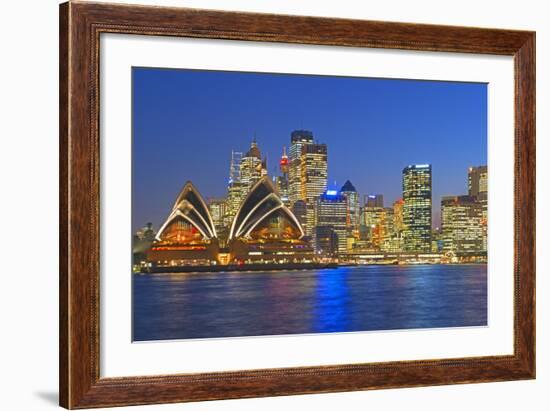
<point>186,122</point>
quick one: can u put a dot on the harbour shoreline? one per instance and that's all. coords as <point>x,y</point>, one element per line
<point>238,268</point>
<point>269,267</point>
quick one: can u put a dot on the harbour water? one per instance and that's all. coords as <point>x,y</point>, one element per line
<point>343,299</point>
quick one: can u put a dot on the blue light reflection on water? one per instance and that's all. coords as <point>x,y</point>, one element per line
<point>365,298</point>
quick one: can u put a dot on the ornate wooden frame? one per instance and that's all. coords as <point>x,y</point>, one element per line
<point>80,27</point>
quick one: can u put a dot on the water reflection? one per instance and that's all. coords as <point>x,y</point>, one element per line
<point>331,310</point>
<point>206,305</point>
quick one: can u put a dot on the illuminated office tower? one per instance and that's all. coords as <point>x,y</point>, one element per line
<point>388,240</point>
<point>477,182</point>
<point>374,200</point>
<point>374,219</point>
<point>298,139</point>
<point>398,215</point>
<point>398,226</point>
<point>235,190</point>
<point>217,208</point>
<point>417,208</point>
<point>314,179</point>
<point>282,180</point>
<point>331,211</point>
<point>352,203</point>
<point>477,188</point>
<point>252,167</point>
<point>462,225</point>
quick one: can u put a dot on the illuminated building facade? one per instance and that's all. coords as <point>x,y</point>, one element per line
<point>380,229</point>
<point>282,180</point>
<point>437,240</point>
<point>217,208</point>
<point>266,231</point>
<point>375,223</point>
<point>314,179</point>
<point>252,167</point>
<point>353,210</point>
<point>417,208</point>
<point>188,236</point>
<point>398,215</point>
<point>374,200</point>
<point>298,139</point>
<point>462,226</point>
<point>388,240</point>
<point>398,226</point>
<point>477,188</point>
<point>235,189</point>
<point>477,182</point>
<point>331,211</point>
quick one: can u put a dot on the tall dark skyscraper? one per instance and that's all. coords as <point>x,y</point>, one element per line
<point>417,207</point>
<point>477,182</point>
<point>299,210</point>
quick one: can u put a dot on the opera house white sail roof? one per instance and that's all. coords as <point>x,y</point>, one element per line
<point>262,203</point>
<point>191,207</point>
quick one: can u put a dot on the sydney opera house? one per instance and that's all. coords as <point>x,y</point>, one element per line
<point>263,231</point>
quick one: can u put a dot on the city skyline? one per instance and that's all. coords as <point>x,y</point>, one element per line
<point>353,157</point>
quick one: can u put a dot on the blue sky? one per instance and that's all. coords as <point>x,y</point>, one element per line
<point>186,122</point>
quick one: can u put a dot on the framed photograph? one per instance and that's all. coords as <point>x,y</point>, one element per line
<point>258,205</point>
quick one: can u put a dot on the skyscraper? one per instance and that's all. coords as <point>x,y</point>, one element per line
<point>235,191</point>
<point>477,182</point>
<point>326,241</point>
<point>299,210</point>
<point>375,222</point>
<point>298,139</point>
<point>374,200</point>
<point>217,208</point>
<point>398,226</point>
<point>417,207</point>
<point>352,203</point>
<point>331,211</point>
<point>477,188</point>
<point>282,180</point>
<point>462,225</point>
<point>284,163</point>
<point>252,167</point>
<point>314,179</point>
<point>398,215</point>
